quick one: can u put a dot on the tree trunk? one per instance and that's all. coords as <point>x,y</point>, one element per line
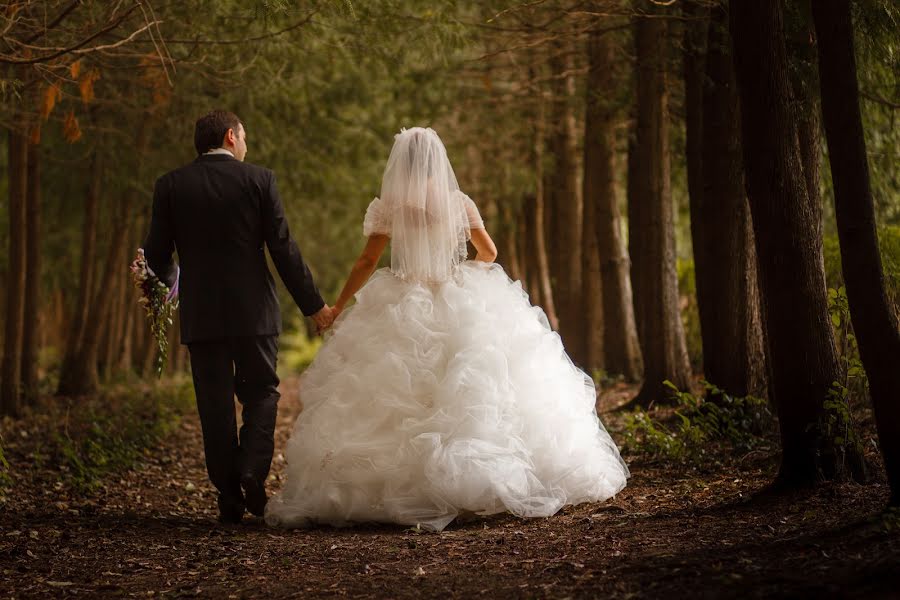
<point>591,292</point>
<point>873,321</point>
<point>724,256</point>
<point>809,137</point>
<point>140,339</point>
<point>149,357</point>
<point>68,379</point>
<point>800,44</point>
<point>566,206</point>
<point>529,256</point>
<point>662,342</point>
<point>696,26</point>
<point>124,359</point>
<point>792,281</point>
<point>695,30</point>
<point>621,350</point>
<point>591,288</point>
<point>112,343</point>
<point>132,315</point>
<point>510,249</point>
<point>11,368</point>
<point>522,244</point>
<point>86,376</point>
<point>537,213</point>
<point>32,333</point>
<point>635,220</point>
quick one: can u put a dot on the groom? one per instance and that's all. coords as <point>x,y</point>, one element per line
<point>218,212</point>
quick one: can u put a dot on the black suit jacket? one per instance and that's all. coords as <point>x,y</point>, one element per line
<point>218,212</point>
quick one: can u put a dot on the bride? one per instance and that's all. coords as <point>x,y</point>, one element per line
<point>442,391</point>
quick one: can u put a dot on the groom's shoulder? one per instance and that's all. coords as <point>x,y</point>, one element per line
<point>247,170</point>
<point>176,172</point>
<point>257,170</point>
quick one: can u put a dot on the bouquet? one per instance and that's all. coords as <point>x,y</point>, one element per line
<point>159,303</point>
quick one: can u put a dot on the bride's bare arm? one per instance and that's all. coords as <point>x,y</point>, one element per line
<point>487,251</point>
<point>361,271</point>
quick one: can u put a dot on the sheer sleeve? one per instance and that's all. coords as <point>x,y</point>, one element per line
<point>475,221</point>
<point>378,219</point>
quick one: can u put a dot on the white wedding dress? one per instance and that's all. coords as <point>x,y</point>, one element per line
<point>439,396</point>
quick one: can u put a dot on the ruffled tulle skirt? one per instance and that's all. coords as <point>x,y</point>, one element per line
<point>432,400</point>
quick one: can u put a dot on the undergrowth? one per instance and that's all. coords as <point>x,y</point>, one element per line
<point>687,431</point>
<point>86,439</point>
<point>5,479</point>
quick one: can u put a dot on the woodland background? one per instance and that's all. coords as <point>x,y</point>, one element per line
<point>680,185</point>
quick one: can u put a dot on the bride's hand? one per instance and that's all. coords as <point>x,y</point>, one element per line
<point>336,312</point>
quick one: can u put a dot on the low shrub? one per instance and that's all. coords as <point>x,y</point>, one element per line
<point>85,439</point>
<point>741,422</point>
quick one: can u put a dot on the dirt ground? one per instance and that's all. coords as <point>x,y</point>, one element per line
<point>675,532</point>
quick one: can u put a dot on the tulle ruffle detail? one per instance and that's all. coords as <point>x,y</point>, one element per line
<point>433,400</point>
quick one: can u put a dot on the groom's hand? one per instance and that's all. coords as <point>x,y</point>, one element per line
<point>323,319</point>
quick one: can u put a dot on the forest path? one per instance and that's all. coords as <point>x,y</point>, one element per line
<point>152,533</point>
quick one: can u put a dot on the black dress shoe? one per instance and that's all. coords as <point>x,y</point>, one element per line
<point>231,510</point>
<point>254,494</point>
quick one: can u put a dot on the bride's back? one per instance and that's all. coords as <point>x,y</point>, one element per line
<point>421,208</point>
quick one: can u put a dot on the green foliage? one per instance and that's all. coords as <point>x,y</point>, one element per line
<point>741,422</point>
<point>888,244</point>
<point>836,424</point>
<point>297,350</point>
<point>113,433</point>
<point>878,69</point>
<point>690,313</point>
<point>854,381</point>
<point>5,479</point>
<point>603,379</point>
<point>890,519</point>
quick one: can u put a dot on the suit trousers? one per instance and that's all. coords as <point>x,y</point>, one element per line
<point>245,367</point>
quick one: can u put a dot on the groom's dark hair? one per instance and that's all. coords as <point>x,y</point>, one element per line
<point>211,128</point>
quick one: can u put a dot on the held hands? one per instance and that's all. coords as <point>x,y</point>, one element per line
<point>323,319</point>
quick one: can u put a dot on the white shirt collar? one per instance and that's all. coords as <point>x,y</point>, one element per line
<point>220,151</point>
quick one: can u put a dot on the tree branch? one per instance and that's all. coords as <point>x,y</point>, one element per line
<point>59,19</point>
<point>121,42</point>
<point>258,38</point>
<point>883,101</point>
<point>62,51</point>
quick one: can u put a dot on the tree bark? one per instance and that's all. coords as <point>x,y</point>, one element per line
<point>537,224</point>
<point>83,375</point>
<point>511,259</point>
<point>724,256</point>
<point>149,356</point>
<point>792,281</point>
<point>621,350</point>
<point>591,287</point>
<point>124,359</point>
<point>662,342</point>
<point>635,220</point>
<point>696,26</point>
<point>873,321</point>
<point>74,341</point>
<point>800,43</point>
<point>11,368</point>
<point>32,321</point>
<point>112,342</point>
<point>566,206</point>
